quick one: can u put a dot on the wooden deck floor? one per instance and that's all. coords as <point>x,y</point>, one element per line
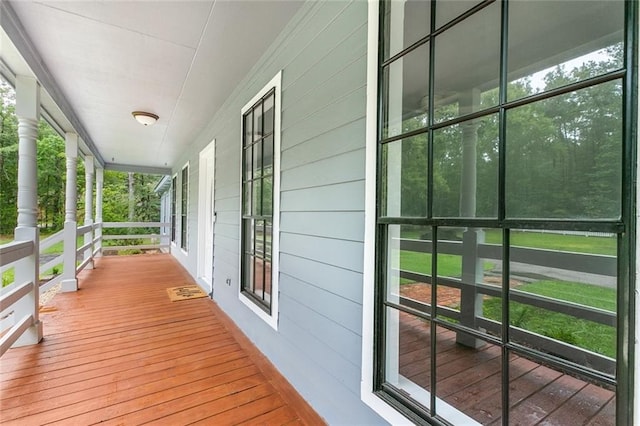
<point>470,380</point>
<point>119,352</point>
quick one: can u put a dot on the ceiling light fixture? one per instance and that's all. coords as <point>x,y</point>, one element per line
<point>145,118</point>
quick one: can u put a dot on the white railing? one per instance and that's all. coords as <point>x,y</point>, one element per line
<point>85,251</point>
<point>14,299</point>
<point>158,241</point>
<point>45,244</point>
<point>603,266</point>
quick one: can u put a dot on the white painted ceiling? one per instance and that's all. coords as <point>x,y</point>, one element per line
<point>179,60</point>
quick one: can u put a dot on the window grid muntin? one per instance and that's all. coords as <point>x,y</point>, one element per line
<point>621,227</point>
<point>252,215</point>
<point>184,207</point>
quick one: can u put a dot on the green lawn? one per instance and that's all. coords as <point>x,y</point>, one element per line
<point>574,243</point>
<point>582,333</point>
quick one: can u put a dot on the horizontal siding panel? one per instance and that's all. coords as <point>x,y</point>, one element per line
<point>341,282</point>
<point>227,230</point>
<point>344,254</point>
<point>341,197</point>
<point>339,225</point>
<point>336,31</point>
<point>334,142</point>
<point>351,77</point>
<point>342,168</point>
<point>315,349</point>
<point>331,308</point>
<point>345,110</point>
<point>348,51</point>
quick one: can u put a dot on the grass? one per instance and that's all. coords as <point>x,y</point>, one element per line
<point>579,332</point>
<point>549,241</point>
<point>585,334</point>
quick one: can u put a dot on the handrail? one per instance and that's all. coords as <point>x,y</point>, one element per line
<point>84,229</point>
<point>14,251</point>
<point>135,224</point>
<point>15,294</point>
<point>163,239</point>
<point>15,332</point>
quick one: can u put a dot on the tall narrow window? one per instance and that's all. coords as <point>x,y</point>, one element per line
<point>504,222</point>
<point>184,208</point>
<point>260,180</point>
<point>174,205</point>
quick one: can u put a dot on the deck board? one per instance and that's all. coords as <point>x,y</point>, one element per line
<point>471,379</point>
<point>118,351</point>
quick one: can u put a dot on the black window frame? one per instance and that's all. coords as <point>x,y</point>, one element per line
<point>174,205</point>
<point>184,207</point>
<point>254,220</point>
<point>625,227</point>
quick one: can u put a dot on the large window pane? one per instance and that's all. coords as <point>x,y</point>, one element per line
<point>404,177</point>
<point>467,63</point>
<point>565,290</point>
<point>405,22</point>
<point>564,156</point>
<point>406,93</point>
<point>465,169</point>
<point>557,50</point>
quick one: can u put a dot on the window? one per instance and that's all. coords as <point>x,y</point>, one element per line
<point>184,208</point>
<point>174,190</point>
<point>503,216</point>
<point>260,189</point>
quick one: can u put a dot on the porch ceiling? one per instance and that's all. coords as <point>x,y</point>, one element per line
<point>179,60</point>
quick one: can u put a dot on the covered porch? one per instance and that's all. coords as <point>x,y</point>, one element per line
<point>119,351</point>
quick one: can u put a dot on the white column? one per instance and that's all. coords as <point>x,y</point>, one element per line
<point>88,207</point>
<point>99,186</point>
<point>472,265</point>
<point>27,269</point>
<point>69,280</point>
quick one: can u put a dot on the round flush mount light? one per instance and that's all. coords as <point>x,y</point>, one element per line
<point>145,118</point>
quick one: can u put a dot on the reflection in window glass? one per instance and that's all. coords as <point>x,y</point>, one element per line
<point>404,182</point>
<point>467,63</point>
<point>408,354</point>
<point>558,279</point>
<point>560,399</point>
<point>564,155</point>
<point>465,169</point>
<point>406,93</point>
<point>447,10</point>
<point>545,56</point>
<point>470,383</point>
<point>406,22</point>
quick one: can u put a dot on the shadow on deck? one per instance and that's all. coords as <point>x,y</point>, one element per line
<point>118,351</point>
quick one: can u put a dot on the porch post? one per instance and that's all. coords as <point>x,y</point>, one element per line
<point>99,186</point>
<point>472,271</point>
<point>27,269</point>
<point>69,280</point>
<point>88,207</point>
